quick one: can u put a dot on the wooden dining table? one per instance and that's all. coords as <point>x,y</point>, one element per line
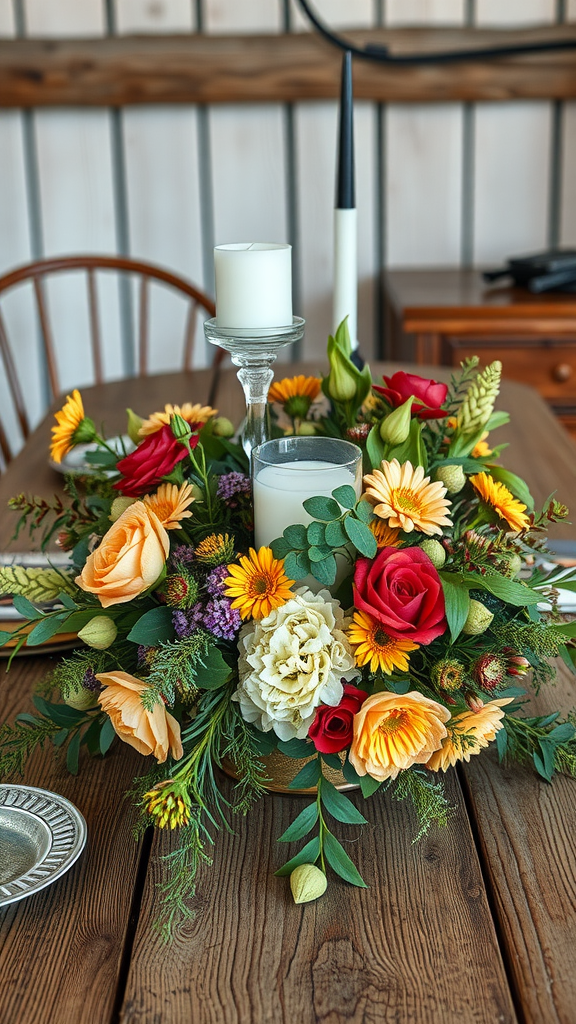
<point>473,924</point>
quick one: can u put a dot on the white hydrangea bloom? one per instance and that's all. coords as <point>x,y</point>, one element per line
<point>292,661</point>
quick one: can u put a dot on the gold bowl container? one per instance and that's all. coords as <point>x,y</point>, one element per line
<point>282,769</point>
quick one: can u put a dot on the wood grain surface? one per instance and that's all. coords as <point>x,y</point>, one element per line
<point>527,832</point>
<point>61,950</point>
<point>117,71</point>
<point>418,945</point>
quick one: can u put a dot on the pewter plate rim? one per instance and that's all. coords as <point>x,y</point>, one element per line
<point>68,833</point>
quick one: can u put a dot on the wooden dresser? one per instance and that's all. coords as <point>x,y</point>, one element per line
<point>440,317</point>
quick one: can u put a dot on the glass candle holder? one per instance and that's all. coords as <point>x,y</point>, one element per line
<point>254,350</point>
<point>288,470</point>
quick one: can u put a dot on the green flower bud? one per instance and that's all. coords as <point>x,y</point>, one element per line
<point>100,632</point>
<point>222,427</point>
<point>119,505</point>
<point>435,552</point>
<point>395,428</point>
<point>82,699</point>
<point>133,427</point>
<point>180,428</point>
<point>514,564</point>
<point>342,381</point>
<point>479,618</point>
<point>306,429</point>
<point>197,492</point>
<point>453,478</point>
<point>307,883</point>
<point>448,675</point>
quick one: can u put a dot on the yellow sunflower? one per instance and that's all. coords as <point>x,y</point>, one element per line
<point>170,503</point>
<point>191,413</point>
<point>501,500</point>
<point>385,536</point>
<point>258,584</point>
<point>469,733</point>
<point>296,394</point>
<point>405,498</point>
<point>67,433</point>
<point>374,647</point>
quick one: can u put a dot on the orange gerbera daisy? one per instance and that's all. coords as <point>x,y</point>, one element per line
<point>393,732</point>
<point>296,394</point>
<point>169,503</point>
<point>406,499</point>
<point>258,584</point>
<point>469,733</point>
<point>67,433</point>
<point>482,448</point>
<point>501,500</point>
<point>386,537</point>
<point>198,414</point>
<point>374,647</point>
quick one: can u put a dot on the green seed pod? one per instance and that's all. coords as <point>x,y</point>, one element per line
<point>134,424</point>
<point>453,478</point>
<point>479,618</point>
<point>435,552</point>
<point>82,699</point>
<point>307,883</point>
<point>395,428</point>
<point>100,632</point>
<point>119,505</point>
<point>222,427</point>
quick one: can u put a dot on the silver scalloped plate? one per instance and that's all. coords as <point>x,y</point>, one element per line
<point>41,835</point>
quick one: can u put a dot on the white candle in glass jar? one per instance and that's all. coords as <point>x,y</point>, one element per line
<point>279,491</point>
<point>253,285</point>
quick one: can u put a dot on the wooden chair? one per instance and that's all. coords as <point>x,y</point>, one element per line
<point>144,272</point>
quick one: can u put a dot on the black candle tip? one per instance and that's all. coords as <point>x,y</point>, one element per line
<point>345,177</point>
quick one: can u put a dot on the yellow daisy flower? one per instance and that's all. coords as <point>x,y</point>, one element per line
<point>501,500</point>
<point>374,647</point>
<point>469,733</point>
<point>69,419</point>
<point>405,498</point>
<point>386,537</point>
<point>258,584</point>
<point>294,387</point>
<point>169,504</point>
<point>392,732</point>
<point>190,413</point>
<point>481,449</point>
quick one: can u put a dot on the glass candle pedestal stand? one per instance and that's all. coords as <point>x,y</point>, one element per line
<point>254,350</point>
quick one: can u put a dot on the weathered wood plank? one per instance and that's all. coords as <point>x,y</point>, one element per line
<point>61,949</point>
<point>527,831</point>
<point>400,950</point>
<point>117,71</point>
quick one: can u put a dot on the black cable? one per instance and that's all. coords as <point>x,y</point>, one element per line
<point>373,51</point>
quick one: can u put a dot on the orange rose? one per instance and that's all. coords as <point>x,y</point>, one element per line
<point>129,559</point>
<point>151,732</point>
<point>393,732</point>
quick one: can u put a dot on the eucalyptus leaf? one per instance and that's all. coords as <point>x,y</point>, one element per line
<point>339,806</point>
<point>46,629</point>
<point>364,511</point>
<point>334,534</point>
<point>296,536</point>
<point>325,509</point>
<point>212,671</point>
<point>345,495</point>
<point>107,734</point>
<point>297,565</point>
<point>318,554</point>
<point>362,538</point>
<point>339,860</point>
<point>308,855</point>
<point>307,776</point>
<point>301,825</point>
<point>26,608</point>
<point>315,534</point>
<point>562,733</point>
<point>296,748</point>
<point>73,753</point>
<point>152,628</point>
<point>368,785</point>
<point>325,571</point>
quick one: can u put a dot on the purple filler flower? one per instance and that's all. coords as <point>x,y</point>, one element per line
<point>215,581</point>
<point>181,557</point>
<point>89,682</point>
<point>185,622</point>
<point>231,485</point>
<point>221,619</point>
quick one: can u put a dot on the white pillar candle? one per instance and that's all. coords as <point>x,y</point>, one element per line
<point>253,285</point>
<point>280,490</point>
<point>346,271</point>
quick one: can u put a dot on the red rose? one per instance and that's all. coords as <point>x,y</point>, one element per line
<point>150,461</point>
<point>429,394</point>
<point>332,728</point>
<point>402,590</point>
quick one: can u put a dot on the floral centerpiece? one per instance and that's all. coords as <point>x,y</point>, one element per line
<point>201,651</point>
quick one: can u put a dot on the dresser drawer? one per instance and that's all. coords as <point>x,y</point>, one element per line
<point>548,366</point>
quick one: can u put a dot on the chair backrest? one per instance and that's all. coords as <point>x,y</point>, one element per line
<point>144,273</point>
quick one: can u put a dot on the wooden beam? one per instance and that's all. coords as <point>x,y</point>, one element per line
<point>122,70</point>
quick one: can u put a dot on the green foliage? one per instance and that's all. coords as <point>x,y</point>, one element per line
<point>153,627</point>
<point>427,796</point>
<point>181,667</point>
<point>548,743</point>
<point>19,741</point>
<point>457,601</point>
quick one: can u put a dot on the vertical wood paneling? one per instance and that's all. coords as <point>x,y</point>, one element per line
<point>425,12</point>
<point>568,207</point>
<point>424,184</point>
<point>247,16</point>
<point>7,26</point>
<point>64,17</point>
<point>515,12</point>
<point>162,172</point>
<point>512,179</point>
<point>154,15</point>
<point>571,10</point>
<point>336,13</point>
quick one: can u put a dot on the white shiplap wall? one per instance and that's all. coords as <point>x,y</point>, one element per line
<point>436,184</point>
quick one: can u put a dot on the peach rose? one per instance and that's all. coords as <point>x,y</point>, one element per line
<point>129,559</point>
<point>151,732</point>
<point>393,732</point>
